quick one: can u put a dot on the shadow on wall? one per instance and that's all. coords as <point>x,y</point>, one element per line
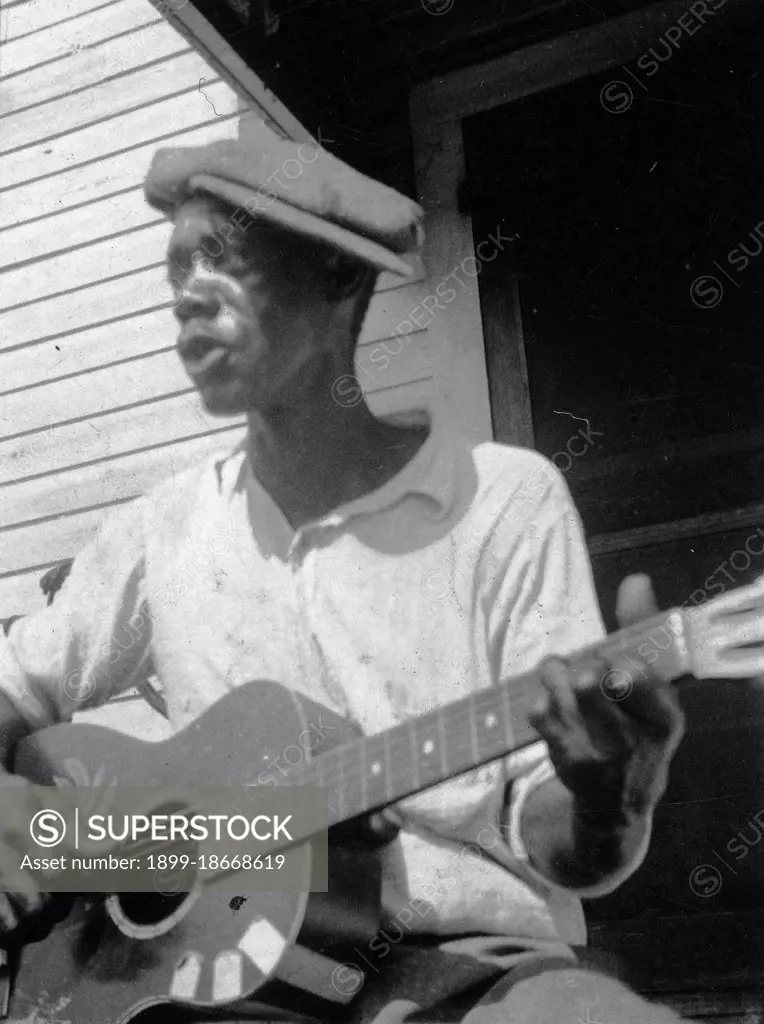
<point>50,584</point>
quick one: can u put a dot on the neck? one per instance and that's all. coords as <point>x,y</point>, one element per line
<point>316,454</point>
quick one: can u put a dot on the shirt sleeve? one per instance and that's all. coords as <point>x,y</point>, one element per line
<point>544,603</point>
<point>543,600</point>
<point>92,642</point>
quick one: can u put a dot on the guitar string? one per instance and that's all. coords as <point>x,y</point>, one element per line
<point>449,714</point>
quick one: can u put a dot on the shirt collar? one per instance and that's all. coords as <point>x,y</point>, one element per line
<point>430,474</point>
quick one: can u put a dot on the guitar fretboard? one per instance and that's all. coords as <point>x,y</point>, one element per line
<point>374,771</point>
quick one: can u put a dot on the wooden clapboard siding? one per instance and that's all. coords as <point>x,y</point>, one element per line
<point>43,544</point>
<point>117,432</point>
<point>94,405</point>
<point>89,395</point>
<point>91,181</point>
<point>32,241</point>
<point>119,57</point>
<point>153,122</point>
<point>114,256</point>
<point>59,493</point>
<point>99,304</point>
<point>85,350</point>
<point>25,18</point>
<point>105,102</point>
<point>32,51</point>
<point>405,402</point>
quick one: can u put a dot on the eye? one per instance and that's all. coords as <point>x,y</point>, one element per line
<point>236,262</point>
<point>227,261</point>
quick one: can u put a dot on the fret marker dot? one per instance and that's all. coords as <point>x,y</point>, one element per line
<point>428,747</point>
<point>376,768</point>
<point>491,721</point>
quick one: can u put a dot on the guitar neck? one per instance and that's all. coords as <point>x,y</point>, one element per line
<point>372,772</point>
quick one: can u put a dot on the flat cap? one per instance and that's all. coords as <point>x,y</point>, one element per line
<point>298,186</point>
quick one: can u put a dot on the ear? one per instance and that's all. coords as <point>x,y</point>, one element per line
<point>347,277</point>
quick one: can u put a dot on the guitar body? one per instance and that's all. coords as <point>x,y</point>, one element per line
<point>204,953</point>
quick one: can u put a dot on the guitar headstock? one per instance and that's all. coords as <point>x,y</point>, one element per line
<point>725,637</point>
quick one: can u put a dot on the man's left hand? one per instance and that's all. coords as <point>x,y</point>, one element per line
<point>611,748</point>
<point>611,745</point>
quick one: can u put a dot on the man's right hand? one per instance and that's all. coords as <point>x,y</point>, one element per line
<point>23,908</point>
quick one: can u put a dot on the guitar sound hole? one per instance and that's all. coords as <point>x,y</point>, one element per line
<point>146,915</point>
<point>148,908</point>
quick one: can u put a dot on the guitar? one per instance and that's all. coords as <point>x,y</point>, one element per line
<point>127,957</point>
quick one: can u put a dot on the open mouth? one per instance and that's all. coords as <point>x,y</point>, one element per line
<point>202,355</point>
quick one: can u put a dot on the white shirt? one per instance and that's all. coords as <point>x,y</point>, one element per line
<point>467,567</point>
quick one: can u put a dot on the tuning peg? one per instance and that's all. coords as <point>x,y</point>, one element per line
<point>748,598</point>
<point>726,636</point>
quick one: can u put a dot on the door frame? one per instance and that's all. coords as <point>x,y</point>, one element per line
<point>437,110</point>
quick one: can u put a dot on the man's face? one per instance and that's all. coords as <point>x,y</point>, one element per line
<point>249,304</point>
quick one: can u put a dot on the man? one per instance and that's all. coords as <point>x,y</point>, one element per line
<point>314,549</point>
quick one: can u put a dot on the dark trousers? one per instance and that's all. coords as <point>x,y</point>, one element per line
<point>479,980</point>
<point>490,980</point>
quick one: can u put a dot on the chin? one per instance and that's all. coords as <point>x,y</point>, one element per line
<point>240,396</point>
<point>223,401</point>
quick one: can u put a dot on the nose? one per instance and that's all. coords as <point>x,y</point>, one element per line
<point>196,299</point>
